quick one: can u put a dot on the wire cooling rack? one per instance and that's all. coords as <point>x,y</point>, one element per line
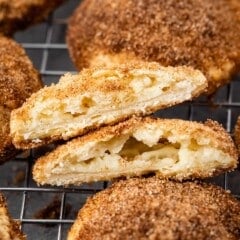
<point>48,212</point>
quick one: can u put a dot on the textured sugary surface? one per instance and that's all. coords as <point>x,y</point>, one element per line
<point>199,33</point>
<point>18,80</point>
<point>156,209</point>
<point>45,44</point>
<point>18,14</point>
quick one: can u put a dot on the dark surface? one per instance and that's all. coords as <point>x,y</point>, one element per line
<point>45,44</point>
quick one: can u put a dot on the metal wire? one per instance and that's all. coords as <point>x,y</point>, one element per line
<point>225,110</point>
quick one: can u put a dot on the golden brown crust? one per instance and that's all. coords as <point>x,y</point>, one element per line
<point>19,14</point>
<point>149,208</point>
<point>211,131</point>
<point>18,80</point>
<point>10,229</point>
<point>202,34</point>
<point>92,79</point>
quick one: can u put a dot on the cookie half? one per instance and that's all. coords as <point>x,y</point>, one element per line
<point>157,209</point>
<point>9,229</point>
<point>170,148</point>
<point>18,80</point>
<point>200,33</point>
<point>101,96</point>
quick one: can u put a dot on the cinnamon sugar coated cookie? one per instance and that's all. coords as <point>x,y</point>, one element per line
<point>18,80</point>
<point>157,209</point>
<point>200,33</point>
<point>19,14</point>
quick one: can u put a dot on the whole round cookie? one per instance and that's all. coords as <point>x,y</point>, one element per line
<point>18,14</point>
<point>18,80</point>
<point>149,208</point>
<point>201,33</point>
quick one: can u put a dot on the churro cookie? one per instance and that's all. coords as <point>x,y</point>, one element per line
<point>158,209</point>
<point>18,80</point>
<point>9,229</point>
<point>18,14</point>
<point>200,33</point>
<point>170,148</point>
<point>101,96</point>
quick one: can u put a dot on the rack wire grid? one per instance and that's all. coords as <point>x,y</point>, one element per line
<point>48,212</point>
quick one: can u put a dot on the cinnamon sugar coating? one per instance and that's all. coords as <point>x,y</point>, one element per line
<point>200,33</point>
<point>149,208</point>
<point>18,80</point>
<point>18,14</point>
